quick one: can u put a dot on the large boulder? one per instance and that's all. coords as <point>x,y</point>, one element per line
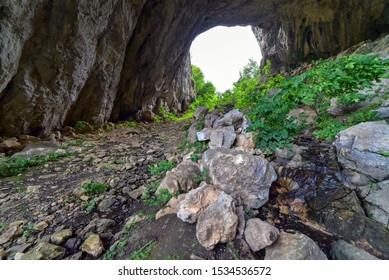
<point>181,178</point>
<point>240,174</point>
<point>200,112</point>
<point>375,199</point>
<point>197,201</point>
<point>295,246</point>
<point>233,117</point>
<point>42,148</point>
<point>218,223</point>
<point>360,151</point>
<point>260,234</point>
<point>45,251</point>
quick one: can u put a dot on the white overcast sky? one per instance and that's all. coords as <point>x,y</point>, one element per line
<point>222,52</point>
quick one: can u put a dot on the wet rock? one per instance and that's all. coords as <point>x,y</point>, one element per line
<point>2,253</point>
<point>93,245</point>
<point>358,150</point>
<point>61,236</point>
<point>181,178</point>
<point>201,111</point>
<point>42,148</point>
<point>234,118</point>
<point>11,233</point>
<point>295,246</point>
<point>260,234</point>
<point>240,174</point>
<point>245,142</point>
<point>197,201</point>
<point>171,207</point>
<point>222,137</point>
<point>218,223</point>
<point>375,199</point>
<point>45,251</point>
<point>342,250</point>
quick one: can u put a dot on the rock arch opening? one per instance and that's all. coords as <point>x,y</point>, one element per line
<point>97,61</point>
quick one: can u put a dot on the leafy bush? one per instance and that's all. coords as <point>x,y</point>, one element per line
<point>93,188</point>
<point>205,91</point>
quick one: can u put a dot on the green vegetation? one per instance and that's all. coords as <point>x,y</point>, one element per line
<point>14,166</point>
<point>158,199</point>
<point>205,91</point>
<point>116,250</point>
<point>130,124</point>
<point>203,176</point>
<point>80,126</point>
<point>2,226</point>
<point>161,167</point>
<point>28,229</point>
<point>94,188</point>
<point>144,252</point>
<point>77,142</point>
<point>384,153</point>
<point>174,257</point>
<point>90,206</point>
<point>269,99</point>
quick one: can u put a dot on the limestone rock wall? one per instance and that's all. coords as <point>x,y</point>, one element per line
<point>94,60</point>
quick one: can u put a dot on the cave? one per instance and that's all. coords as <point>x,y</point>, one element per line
<point>64,61</point>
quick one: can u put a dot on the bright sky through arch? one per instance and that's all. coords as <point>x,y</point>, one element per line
<point>221,53</point>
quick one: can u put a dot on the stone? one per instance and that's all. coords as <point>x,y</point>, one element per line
<point>240,174</point>
<point>2,253</point>
<point>296,246</point>
<point>106,204</point>
<point>375,199</point>
<point>245,142</point>
<point>192,133</point>
<point>98,225</point>
<point>41,226</point>
<point>135,194</point>
<point>181,178</point>
<point>359,148</point>
<point>10,144</point>
<point>78,192</point>
<point>210,120</point>
<point>200,112</point>
<point>11,233</point>
<point>232,118</point>
<point>197,201</point>
<point>25,139</point>
<point>18,256</point>
<point>222,137</point>
<point>218,223</point>
<point>45,251</point>
<point>148,115</point>
<point>61,236</point>
<point>342,250</point>
<point>43,148</point>
<point>260,234</point>
<point>93,245</point>
<point>17,249</point>
<point>204,135</point>
<point>171,207</point>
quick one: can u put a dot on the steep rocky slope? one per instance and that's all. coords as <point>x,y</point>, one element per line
<point>65,61</point>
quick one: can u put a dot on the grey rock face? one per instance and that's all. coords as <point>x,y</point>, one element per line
<point>233,117</point>
<point>105,60</point>
<point>240,174</point>
<point>375,199</point>
<point>260,234</point>
<point>218,223</point>
<point>342,250</point>
<point>295,246</point>
<point>181,178</point>
<point>358,150</point>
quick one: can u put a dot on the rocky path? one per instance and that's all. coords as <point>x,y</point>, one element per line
<point>49,200</point>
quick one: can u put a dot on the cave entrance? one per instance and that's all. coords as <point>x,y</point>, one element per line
<point>222,52</point>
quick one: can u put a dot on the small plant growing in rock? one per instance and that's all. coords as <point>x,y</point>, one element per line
<point>161,168</point>
<point>2,226</point>
<point>93,188</point>
<point>28,230</point>
<point>158,200</point>
<point>384,153</point>
<point>203,176</point>
<point>90,206</point>
<point>116,250</point>
<point>130,124</point>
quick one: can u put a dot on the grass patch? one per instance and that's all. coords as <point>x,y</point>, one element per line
<point>384,153</point>
<point>162,167</point>
<point>93,188</point>
<point>144,252</point>
<point>116,250</point>
<point>14,166</point>
<point>158,200</point>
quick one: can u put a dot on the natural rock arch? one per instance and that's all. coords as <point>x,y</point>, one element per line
<point>94,60</point>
